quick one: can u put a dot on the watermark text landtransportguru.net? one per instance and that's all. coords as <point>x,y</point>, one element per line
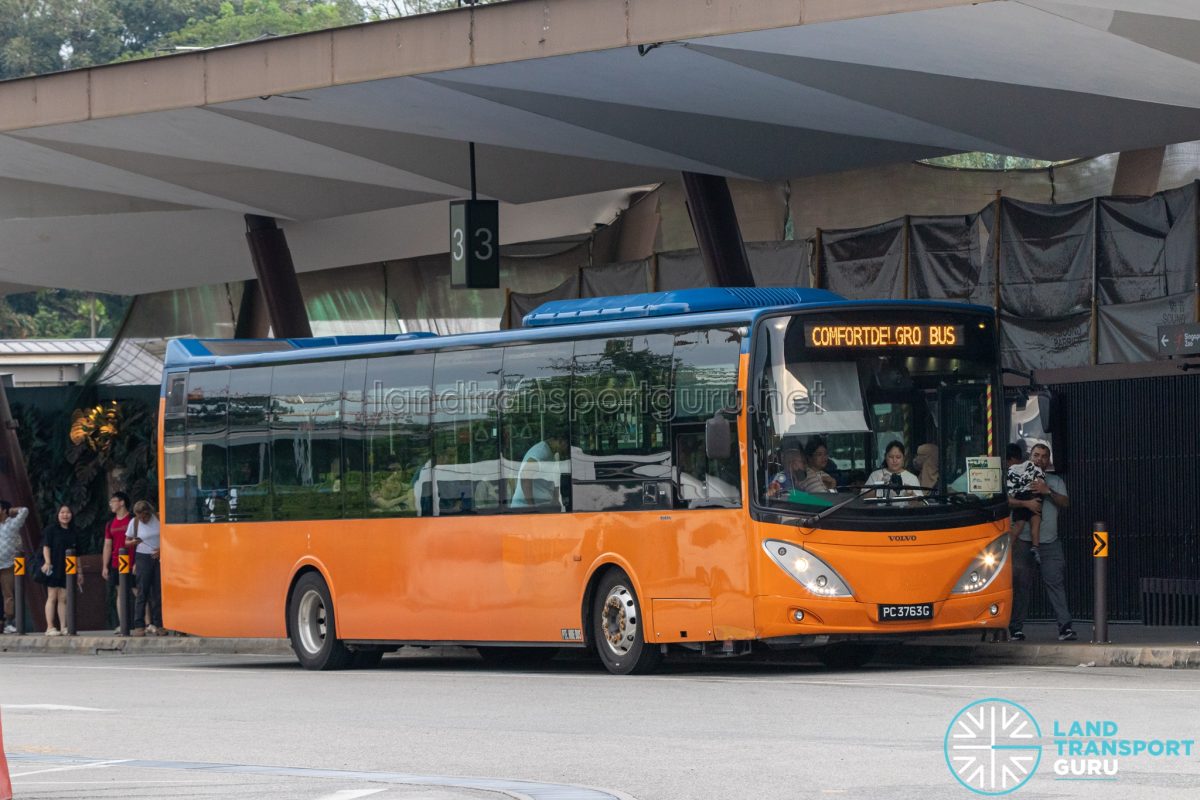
<point>471,398</point>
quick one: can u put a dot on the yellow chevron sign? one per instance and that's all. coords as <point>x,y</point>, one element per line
<point>19,566</point>
<point>123,562</point>
<point>1100,544</point>
<point>72,565</point>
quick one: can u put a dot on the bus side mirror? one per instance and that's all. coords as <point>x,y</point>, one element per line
<point>717,439</point>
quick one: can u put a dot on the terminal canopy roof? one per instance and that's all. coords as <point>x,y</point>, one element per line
<point>135,177</point>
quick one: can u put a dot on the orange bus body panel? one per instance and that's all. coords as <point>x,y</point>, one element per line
<point>517,578</point>
<point>523,577</point>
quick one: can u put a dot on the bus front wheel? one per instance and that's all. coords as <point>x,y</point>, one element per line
<point>618,628</point>
<point>312,628</point>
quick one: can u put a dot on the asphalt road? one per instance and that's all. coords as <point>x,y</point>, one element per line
<point>450,728</point>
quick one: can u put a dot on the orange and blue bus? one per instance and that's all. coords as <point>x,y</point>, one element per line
<point>703,470</point>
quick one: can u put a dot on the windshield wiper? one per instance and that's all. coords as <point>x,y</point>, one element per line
<point>815,520</point>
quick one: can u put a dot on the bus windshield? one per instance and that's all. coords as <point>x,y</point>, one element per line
<point>892,412</point>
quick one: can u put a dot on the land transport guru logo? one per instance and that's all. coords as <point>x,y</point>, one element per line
<point>994,746</point>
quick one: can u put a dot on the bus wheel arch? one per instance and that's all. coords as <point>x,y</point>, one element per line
<point>617,626</point>
<point>312,623</point>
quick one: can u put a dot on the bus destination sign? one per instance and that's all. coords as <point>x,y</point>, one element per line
<point>832,335</point>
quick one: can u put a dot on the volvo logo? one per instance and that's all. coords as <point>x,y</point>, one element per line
<point>902,538</point>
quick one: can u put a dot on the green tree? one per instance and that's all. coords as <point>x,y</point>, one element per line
<point>40,36</point>
<point>60,314</point>
<point>245,20</point>
<point>145,22</point>
<point>387,9</point>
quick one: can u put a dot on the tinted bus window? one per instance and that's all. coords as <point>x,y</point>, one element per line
<point>354,439</point>
<point>534,427</point>
<point>175,451</point>
<point>465,432</point>
<point>398,470</point>
<point>249,444</point>
<point>306,410</point>
<point>207,495</point>
<point>706,366</point>
<point>621,408</point>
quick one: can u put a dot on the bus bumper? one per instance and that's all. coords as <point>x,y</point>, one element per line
<point>776,616</point>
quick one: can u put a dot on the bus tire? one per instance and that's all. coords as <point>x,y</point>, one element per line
<point>618,628</point>
<point>846,655</point>
<point>312,626</point>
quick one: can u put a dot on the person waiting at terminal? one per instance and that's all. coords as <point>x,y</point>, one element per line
<point>59,537</point>
<point>796,477</point>
<point>538,477</point>
<point>11,521</point>
<point>145,534</point>
<point>899,481</point>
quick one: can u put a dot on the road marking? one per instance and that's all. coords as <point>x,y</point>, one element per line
<point>526,790</point>
<point>707,678</point>
<point>123,783</point>
<point>48,707</point>
<point>351,794</point>
<point>87,765</point>
<point>906,685</point>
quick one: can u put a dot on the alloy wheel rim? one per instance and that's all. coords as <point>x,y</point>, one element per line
<point>619,620</point>
<point>311,624</point>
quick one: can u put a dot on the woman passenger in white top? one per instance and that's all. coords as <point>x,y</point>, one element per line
<point>144,531</point>
<point>894,474</point>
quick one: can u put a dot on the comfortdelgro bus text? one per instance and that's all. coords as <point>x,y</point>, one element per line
<point>709,469</point>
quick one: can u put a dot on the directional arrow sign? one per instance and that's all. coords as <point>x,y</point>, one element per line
<point>1179,340</point>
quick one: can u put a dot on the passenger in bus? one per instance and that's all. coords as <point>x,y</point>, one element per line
<point>796,477</point>
<point>538,475</point>
<point>817,452</point>
<point>926,464</point>
<point>900,482</point>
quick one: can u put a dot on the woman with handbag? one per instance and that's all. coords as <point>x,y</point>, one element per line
<point>57,539</point>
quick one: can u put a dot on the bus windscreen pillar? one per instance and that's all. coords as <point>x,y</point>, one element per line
<point>277,278</point>
<point>715,224</point>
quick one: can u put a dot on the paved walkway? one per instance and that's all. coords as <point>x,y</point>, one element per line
<point>1128,646</point>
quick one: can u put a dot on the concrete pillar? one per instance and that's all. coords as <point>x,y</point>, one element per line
<point>252,321</point>
<point>277,278</point>
<point>714,221</point>
<point>1138,171</point>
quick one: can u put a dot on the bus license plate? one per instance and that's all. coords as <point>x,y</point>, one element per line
<point>904,613</point>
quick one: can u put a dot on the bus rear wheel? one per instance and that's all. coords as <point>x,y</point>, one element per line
<point>618,626</point>
<point>312,626</point>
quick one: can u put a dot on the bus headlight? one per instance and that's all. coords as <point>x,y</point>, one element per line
<point>811,572</point>
<point>984,568</point>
